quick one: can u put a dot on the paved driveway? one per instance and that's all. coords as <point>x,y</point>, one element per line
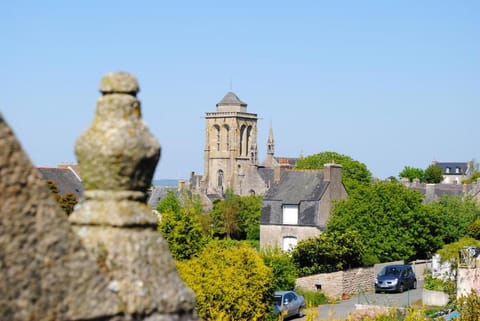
<point>340,310</point>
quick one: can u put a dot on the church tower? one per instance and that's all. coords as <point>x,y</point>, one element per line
<point>231,145</point>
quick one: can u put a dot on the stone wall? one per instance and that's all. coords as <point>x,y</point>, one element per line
<point>336,284</point>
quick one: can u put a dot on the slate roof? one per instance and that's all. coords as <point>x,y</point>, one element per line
<point>231,99</point>
<point>296,186</point>
<point>463,166</point>
<point>159,192</point>
<point>64,178</point>
<point>267,174</point>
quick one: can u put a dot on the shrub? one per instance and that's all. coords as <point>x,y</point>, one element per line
<point>283,269</point>
<point>469,307</point>
<point>313,298</point>
<point>231,283</point>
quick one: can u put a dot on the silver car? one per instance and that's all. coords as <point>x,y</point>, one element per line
<point>289,303</point>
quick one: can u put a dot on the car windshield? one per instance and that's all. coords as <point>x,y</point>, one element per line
<point>390,271</point>
<point>278,300</point>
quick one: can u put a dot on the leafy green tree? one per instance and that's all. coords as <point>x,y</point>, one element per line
<point>353,172</point>
<point>473,179</point>
<point>450,252</point>
<point>181,226</point>
<point>433,174</point>
<point>389,219</point>
<point>473,230</point>
<point>231,283</point>
<point>329,252</point>
<point>282,266</point>
<point>237,217</point>
<point>411,173</point>
<point>456,214</point>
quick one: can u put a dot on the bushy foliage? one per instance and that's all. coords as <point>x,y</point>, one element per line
<point>313,298</point>
<point>412,173</point>
<point>390,221</point>
<point>436,284</point>
<point>433,174</point>
<point>473,230</point>
<point>180,225</point>
<point>67,202</point>
<point>353,172</point>
<point>469,307</point>
<point>456,213</point>
<point>329,252</point>
<point>231,282</point>
<point>450,252</point>
<point>237,217</point>
<point>283,269</point>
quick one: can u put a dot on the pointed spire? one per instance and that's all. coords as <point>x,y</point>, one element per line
<point>270,141</point>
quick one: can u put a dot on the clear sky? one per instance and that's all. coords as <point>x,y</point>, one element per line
<point>388,83</point>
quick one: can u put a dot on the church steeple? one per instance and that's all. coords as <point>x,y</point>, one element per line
<point>270,142</point>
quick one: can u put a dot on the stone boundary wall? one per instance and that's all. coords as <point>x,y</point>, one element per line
<point>337,284</point>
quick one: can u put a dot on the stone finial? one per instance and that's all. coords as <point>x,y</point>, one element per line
<point>120,83</point>
<point>117,156</point>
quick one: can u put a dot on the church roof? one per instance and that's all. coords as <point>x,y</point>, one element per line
<point>231,99</point>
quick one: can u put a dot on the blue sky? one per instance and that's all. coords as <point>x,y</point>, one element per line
<point>389,83</point>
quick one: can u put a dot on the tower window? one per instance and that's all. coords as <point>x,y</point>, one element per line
<point>220,178</point>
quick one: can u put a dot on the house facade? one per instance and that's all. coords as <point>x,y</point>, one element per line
<point>298,206</point>
<point>455,172</point>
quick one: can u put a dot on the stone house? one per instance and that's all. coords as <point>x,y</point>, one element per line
<point>298,205</point>
<point>455,172</point>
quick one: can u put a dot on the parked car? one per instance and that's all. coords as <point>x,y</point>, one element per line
<point>289,303</point>
<point>395,278</point>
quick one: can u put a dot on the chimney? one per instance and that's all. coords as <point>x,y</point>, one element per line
<point>332,172</point>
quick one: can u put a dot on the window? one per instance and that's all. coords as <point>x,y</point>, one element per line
<point>290,214</point>
<point>447,170</point>
<point>289,243</point>
<point>220,178</point>
<point>457,170</point>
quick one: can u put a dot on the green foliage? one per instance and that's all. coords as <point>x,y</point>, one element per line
<point>433,174</point>
<point>469,307</point>
<point>237,217</point>
<point>473,229</point>
<point>411,173</point>
<point>181,226</point>
<point>450,252</point>
<point>231,283</point>
<point>456,214</point>
<point>389,220</point>
<point>313,298</point>
<point>353,172</point>
<point>283,268</point>
<point>473,179</point>
<point>67,202</point>
<point>448,286</point>
<point>329,252</point>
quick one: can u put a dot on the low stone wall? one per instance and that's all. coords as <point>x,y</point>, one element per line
<point>434,298</point>
<point>336,284</point>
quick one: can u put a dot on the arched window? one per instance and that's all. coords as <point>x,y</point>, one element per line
<point>227,137</point>
<point>220,178</point>
<point>248,140</point>
<point>242,139</point>
<point>217,131</point>
<point>289,243</point>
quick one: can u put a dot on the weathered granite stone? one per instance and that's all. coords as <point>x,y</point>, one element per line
<point>117,156</point>
<point>45,272</point>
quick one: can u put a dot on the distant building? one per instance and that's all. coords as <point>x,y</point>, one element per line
<point>455,172</point>
<point>298,206</point>
<point>65,177</point>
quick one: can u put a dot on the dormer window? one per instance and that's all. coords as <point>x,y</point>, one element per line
<point>447,170</point>
<point>457,170</point>
<point>290,214</point>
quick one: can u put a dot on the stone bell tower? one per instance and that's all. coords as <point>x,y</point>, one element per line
<point>231,145</point>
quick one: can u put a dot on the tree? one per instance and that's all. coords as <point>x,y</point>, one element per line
<point>328,252</point>
<point>456,214</point>
<point>473,230</point>
<point>353,172</point>
<point>180,225</point>
<point>433,174</point>
<point>282,266</point>
<point>230,283</point>
<point>390,221</point>
<point>411,173</point>
<point>237,217</point>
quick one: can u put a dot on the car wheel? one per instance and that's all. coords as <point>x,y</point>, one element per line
<point>301,312</point>
<point>400,288</point>
<point>414,285</point>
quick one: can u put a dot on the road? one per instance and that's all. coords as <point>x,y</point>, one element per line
<point>341,310</point>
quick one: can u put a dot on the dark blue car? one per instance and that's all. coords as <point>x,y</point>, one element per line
<point>395,278</point>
